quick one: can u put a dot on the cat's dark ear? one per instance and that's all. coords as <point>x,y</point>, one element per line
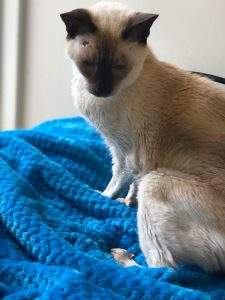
<point>138,27</point>
<point>78,22</point>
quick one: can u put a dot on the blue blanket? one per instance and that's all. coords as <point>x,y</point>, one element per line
<point>57,230</point>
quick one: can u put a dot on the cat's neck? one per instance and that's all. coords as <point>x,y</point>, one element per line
<point>148,86</point>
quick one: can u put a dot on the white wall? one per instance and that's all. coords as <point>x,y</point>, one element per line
<point>187,33</point>
<point>47,70</point>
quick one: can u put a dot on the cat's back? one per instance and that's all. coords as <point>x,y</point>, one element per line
<point>196,101</point>
<point>191,119</point>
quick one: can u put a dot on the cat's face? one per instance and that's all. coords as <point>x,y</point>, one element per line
<point>108,45</point>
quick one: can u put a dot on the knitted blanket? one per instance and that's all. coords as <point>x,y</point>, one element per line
<point>56,229</point>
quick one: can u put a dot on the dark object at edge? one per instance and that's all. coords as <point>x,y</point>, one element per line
<point>212,77</point>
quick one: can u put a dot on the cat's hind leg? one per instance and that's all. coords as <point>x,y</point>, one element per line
<point>180,220</point>
<point>123,257</point>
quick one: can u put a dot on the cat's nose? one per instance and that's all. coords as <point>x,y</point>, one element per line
<point>101,92</point>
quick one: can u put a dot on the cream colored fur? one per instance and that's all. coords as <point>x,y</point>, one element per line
<point>166,131</point>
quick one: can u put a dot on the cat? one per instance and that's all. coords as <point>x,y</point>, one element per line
<point>165,128</point>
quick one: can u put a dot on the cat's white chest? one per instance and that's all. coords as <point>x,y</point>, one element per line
<point>102,112</point>
<point>107,114</point>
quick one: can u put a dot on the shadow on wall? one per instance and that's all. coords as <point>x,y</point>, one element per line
<point>21,61</point>
<point>12,53</point>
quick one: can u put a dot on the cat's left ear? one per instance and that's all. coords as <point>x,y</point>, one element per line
<point>138,27</point>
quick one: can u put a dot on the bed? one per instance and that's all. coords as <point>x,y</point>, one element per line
<point>57,229</point>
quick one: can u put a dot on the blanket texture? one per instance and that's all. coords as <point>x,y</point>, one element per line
<point>57,230</point>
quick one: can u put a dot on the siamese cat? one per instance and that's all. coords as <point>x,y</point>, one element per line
<point>165,128</point>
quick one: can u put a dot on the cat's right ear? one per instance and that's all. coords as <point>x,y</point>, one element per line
<point>78,22</point>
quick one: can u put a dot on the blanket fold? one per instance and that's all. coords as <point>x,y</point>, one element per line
<point>56,228</point>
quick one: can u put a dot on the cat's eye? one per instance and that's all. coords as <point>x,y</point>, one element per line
<point>89,63</point>
<point>119,66</point>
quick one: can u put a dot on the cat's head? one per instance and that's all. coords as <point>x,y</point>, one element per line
<point>108,44</point>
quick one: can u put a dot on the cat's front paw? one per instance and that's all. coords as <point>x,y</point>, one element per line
<point>127,201</point>
<point>112,193</point>
<point>107,193</point>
